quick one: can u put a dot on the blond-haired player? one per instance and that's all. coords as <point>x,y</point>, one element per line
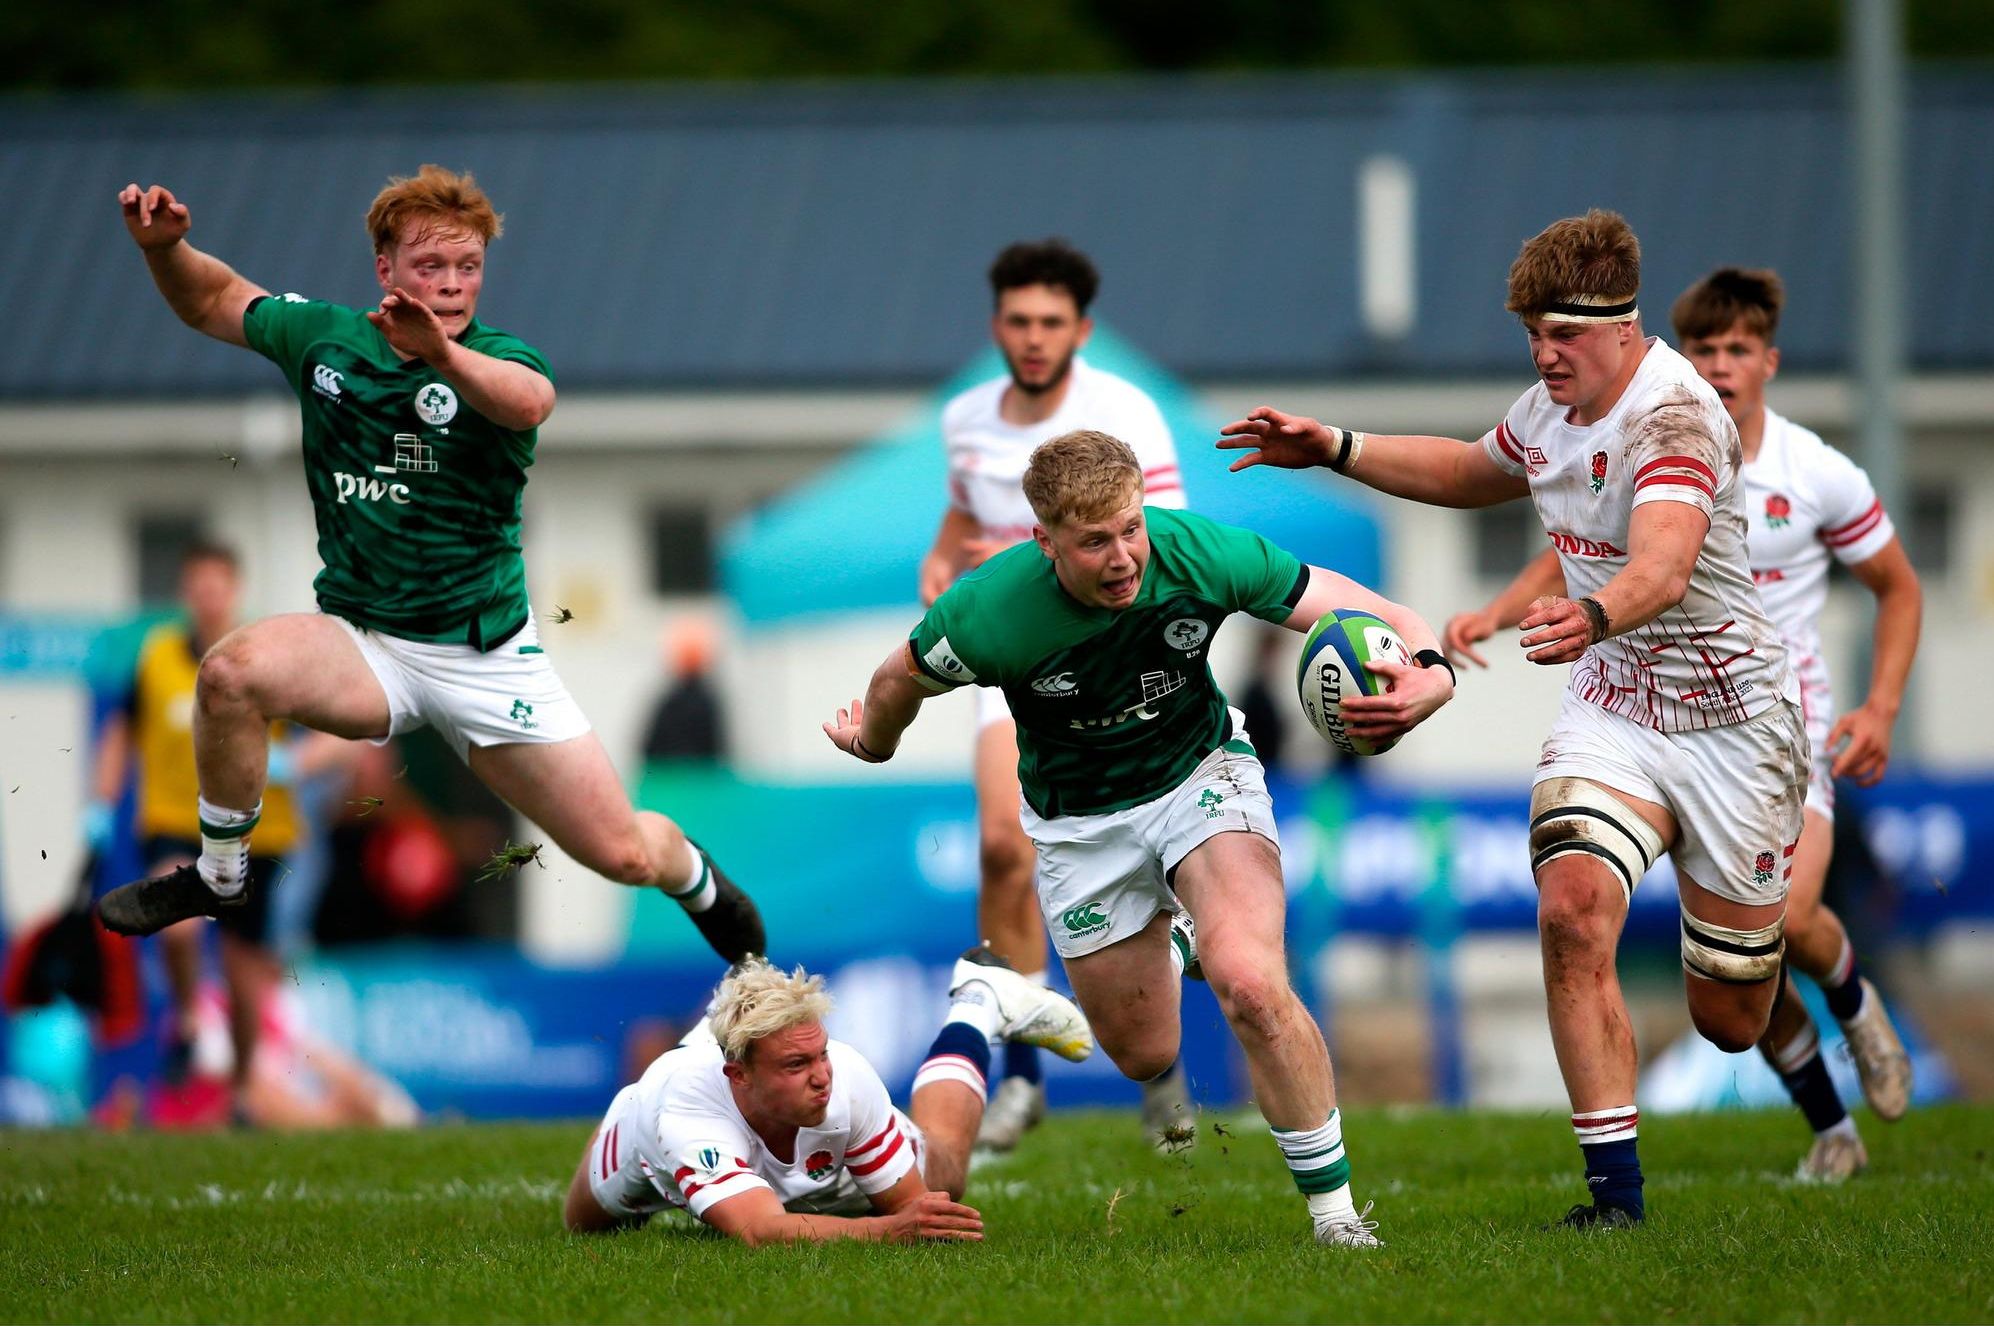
<point>419,426</point>
<point>768,1130</point>
<point>1041,291</point>
<point>1806,503</point>
<point>1681,729</point>
<point>1143,795</point>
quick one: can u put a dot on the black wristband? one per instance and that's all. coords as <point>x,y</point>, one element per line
<point>1432,658</point>
<point>1596,617</point>
<point>1342,456</point>
<point>865,753</point>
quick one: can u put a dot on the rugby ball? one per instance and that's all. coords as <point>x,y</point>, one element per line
<point>1332,667</point>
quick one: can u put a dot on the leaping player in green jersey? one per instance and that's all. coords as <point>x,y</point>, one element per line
<point>419,426</point>
<point>1143,797</point>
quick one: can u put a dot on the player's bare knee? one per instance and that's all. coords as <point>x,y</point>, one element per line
<point>1732,1025</point>
<point>1251,997</point>
<point>1577,919</point>
<point>228,677</point>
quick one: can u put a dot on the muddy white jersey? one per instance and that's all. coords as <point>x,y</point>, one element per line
<point>987,456</point>
<point>1713,658</point>
<point>1806,502</point>
<point>697,1150</point>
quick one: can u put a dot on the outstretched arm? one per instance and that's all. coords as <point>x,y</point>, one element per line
<point>1436,470</point>
<point>1900,606</point>
<point>1412,693</point>
<point>203,291</point>
<point>1540,577</point>
<point>1663,539</point>
<point>870,730</point>
<point>914,1215</point>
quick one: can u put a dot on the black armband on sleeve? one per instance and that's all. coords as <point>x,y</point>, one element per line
<point>1299,588</point>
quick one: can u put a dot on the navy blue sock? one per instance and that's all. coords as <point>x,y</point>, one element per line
<point>1613,1171</point>
<point>964,1041</point>
<point>1814,1092</point>
<point>1845,996</point>
<point>1023,1061</point>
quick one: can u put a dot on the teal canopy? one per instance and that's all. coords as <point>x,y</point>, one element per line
<point>853,537</point>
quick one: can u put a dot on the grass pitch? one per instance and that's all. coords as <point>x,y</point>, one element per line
<point>1085,1225</point>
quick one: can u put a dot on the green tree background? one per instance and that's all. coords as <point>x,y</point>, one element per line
<point>206,44</point>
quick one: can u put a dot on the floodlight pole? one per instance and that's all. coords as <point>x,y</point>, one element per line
<point>1874,33</point>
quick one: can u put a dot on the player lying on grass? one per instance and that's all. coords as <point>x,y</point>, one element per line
<point>1142,792</point>
<point>1805,501</point>
<point>771,1132</point>
<point>419,425</point>
<point>1681,730</point>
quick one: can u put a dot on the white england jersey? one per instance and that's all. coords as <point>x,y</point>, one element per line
<point>1710,660</point>
<point>1807,501</point>
<point>987,456</point>
<point>696,1149</point>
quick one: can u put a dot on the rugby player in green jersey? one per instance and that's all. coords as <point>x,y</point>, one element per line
<point>419,426</point>
<point>1143,797</point>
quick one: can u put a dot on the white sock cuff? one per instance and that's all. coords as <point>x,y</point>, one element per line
<point>699,890</point>
<point>1318,1148</point>
<point>952,1068</point>
<point>1806,1043</point>
<point>975,1005</point>
<point>1610,1125</point>
<point>221,822</point>
<point>1845,962</point>
<point>1040,978</point>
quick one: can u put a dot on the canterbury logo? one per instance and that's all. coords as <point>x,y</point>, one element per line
<point>326,380</point>
<point>1060,683</point>
<point>1079,920</point>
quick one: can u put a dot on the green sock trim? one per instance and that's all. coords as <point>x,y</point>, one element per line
<point>694,885</point>
<point>1327,1179</point>
<point>223,832</point>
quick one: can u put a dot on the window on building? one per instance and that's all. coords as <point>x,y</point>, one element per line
<point>1506,536</point>
<point>160,538</point>
<point>681,543</point>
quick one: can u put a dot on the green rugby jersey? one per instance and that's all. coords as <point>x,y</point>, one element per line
<point>1114,708</point>
<point>416,495</point>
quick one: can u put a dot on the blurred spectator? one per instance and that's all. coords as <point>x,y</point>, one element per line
<point>687,723</point>
<point>1268,697</point>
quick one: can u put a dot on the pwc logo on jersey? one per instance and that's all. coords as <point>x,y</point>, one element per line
<point>325,381</point>
<point>436,404</point>
<point>1058,684</point>
<point>365,488</point>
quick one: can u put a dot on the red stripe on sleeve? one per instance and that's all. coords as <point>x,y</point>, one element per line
<point>1158,471</point>
<point>1675,462</point>
<point>873,1141</point>
<point>1686,480</point>
<point>860,1171</point>
<point>1851,533</point>
<point>1507,443</point>
<point>1874,508</point>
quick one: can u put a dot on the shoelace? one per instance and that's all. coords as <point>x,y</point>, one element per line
<point>1358,1223</point>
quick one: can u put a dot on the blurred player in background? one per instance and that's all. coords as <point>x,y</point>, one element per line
<point>1142,792</point>
<point>1042,291</point>
<point>768,1130</point>
<point>150,731</point>
<point>1804,501</point>
<point>1681,729</point>
<point>419,425</point>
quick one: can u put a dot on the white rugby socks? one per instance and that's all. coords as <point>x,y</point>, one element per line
<point>975,1004</point>
<point>224,863</point>
<point>699,890</point>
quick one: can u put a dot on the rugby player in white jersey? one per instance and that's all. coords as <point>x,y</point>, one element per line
<point>1042,291</point>
<point>1805,501</point>
<point>1681,730</point>
<point>768,1130</point>
<point>1143,796</point>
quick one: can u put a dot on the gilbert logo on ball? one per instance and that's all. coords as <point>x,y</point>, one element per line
<point>1332,668</point>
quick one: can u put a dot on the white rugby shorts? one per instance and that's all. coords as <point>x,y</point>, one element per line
<point>472,699</point>
<point>1817,707</point>
<point>1735,791</point>
<point>1102,878</point>
<point>991,707</point>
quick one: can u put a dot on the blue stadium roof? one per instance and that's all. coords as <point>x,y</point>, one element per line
<point>803,235</point>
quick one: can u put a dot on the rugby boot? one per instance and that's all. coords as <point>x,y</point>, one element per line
<point>1357,1231</point>
<point>1184,938</point>
<point>1597,1216</point>
<point>733,924</point>
<point>1016,1107</point>
<point>1032,1014</point>
<point>1882,1065</point>
<point>1169,1118</point>
<point>1834,1158</point>
<point>150,905</point>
